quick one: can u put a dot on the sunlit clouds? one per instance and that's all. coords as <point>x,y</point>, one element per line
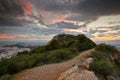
<point>41,20</point>
<point>106,28</point>
<point>27,7</point>
<point>6,36</point>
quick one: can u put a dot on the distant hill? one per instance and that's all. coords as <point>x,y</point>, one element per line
<point>115,43</point>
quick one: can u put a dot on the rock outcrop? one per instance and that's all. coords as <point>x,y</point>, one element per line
<point>83,75</point>
<point>79,72</point>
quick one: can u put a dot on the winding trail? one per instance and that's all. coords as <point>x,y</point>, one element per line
<point>51,71</point>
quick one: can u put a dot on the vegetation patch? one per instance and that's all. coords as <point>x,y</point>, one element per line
<point>105,60</point>
<point>102,67</point>
<point>61,48</point>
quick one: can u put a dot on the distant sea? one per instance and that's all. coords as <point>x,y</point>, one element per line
<point>115,43</point>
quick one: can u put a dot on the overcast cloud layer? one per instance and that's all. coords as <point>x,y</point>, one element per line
<point>51,17</point>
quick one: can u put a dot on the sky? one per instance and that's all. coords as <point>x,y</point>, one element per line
<point>40,20</point>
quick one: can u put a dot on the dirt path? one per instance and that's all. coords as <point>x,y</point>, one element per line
<point>51,71</point>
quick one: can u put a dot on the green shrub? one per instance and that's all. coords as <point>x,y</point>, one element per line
<point>117,61</point>
<point>3,66</point>
<point>102,67</point>
<point>106,48</point>
<point>84,43</point>
<point>100,55</point>
<point>58,56</point>
<point>6,77</point>
<point>21,62</point>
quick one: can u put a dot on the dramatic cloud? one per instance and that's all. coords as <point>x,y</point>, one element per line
<point>84,7</point>
<point>78,10</point>
<point>15,7</point>
<point>11,7</point>
<point>10,21</point>
<point>12,10</point>
<point>98,19</point>
<point>6,36</point>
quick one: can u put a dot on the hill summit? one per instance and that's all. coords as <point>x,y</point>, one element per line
<point>81,42</point>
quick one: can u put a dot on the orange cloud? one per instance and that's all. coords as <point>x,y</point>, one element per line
<point>6,36</point>
<point>57,18</point>
<point>27,6</point>
<point>22,36</point>
<point>106,38</point>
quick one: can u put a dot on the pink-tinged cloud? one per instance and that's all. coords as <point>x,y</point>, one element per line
<point>6,36</point>
<point>57,18</point>
<point>52,17</point>
<point>22,36</point>
<point>27,7</point>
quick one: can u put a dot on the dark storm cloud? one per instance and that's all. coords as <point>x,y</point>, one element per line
<point>10,21</point>
<point>56,5</point>
<point>12,7</point>
<point>100,7</point>
<point>9,11</point>
<point>84,7</point>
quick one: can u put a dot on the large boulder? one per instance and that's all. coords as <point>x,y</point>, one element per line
<point>79,72</point>
<point>83,75</point>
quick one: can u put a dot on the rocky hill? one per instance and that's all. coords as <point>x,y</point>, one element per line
<point>81,42</point>
<point>65,57</point>
<point>61,48</point>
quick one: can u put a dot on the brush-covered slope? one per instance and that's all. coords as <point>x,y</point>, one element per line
<point>61,48</point>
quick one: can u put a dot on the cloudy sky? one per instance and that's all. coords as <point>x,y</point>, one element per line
<point>33,20</point>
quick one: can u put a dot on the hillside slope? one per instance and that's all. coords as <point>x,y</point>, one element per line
<point>51,71</point>
<point>61,48</point>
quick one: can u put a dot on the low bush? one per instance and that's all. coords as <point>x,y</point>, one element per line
<point>102,67</point>
<point>106,48</point>
<point>117,61</point>
<point>100,55</point>
<point>21,62</point>
<point>6,77</point>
